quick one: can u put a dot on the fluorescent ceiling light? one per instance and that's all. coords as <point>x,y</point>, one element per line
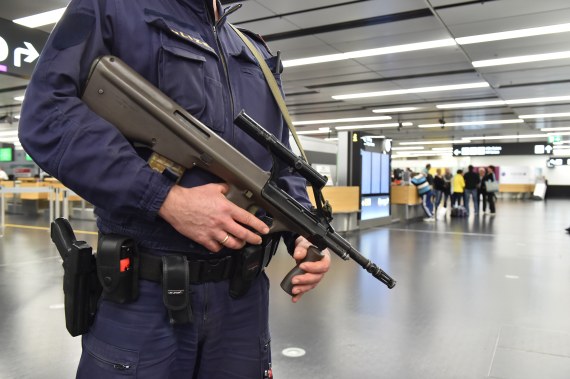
<point>372,126</point>
<point>318,131</point>
<point>8,133</point>
<point>338,120</point>
<point>331,139</point>
<point>545,115</point>
<point>370,52</point>
<point>551,99</point>
<point>408,148</point>
<point>373,137</point>
<point>435,142</point>
<point>442,148</point>
<point>422,154</point>
<point>514,136</point>
<point>395,110</point>
<point>41,19</point>
<point>522,59</point>
<point>451,87</point>
<point>468,123</point>
<point>19,98</point>
<point>520,33</point>
<point>557,129</point>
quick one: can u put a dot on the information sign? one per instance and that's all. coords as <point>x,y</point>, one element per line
<point>19,48</point>
<point>495,149</point>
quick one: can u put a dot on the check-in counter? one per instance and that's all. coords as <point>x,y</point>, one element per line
<point>516,190</point>
<point>345,203</point>
<point>30,195</point>
<point>405,203</point>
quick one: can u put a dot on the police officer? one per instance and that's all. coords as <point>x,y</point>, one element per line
<point>187,49</point>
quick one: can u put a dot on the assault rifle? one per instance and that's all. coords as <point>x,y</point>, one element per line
<point>179,141</point>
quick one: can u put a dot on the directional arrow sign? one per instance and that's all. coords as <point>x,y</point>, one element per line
<point>456,152</point>
<point>19,48</point>
<point>30,51</point>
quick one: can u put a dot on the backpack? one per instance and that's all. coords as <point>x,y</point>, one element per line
<point>459,211</point>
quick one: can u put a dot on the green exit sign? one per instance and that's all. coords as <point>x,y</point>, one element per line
<point>554,139</point>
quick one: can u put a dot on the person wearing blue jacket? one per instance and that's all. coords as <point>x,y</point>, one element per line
<point>188,50</point>
<point>424,188</point>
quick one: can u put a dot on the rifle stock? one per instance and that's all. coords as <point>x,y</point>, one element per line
<point>122,97</point>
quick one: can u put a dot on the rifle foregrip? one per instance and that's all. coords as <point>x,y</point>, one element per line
<point>313,255</point>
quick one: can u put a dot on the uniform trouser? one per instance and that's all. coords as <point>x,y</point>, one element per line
<point>227,339</point>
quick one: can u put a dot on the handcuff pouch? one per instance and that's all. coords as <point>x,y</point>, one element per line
<point>176,288</point>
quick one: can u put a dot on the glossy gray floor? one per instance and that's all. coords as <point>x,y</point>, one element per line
<point>484,297</point>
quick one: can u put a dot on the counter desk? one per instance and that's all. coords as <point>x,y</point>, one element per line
<point>345,203</point>
<point>405,203</point>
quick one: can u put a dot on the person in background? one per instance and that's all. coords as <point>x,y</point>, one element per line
<point>3,175</point>
<point>447,178</point>
<point>425,193</point>
<point>481,194</point>
<point>458,188</point>
<point>438,187</point>
<point>187,230</point>
<point>472,182</point>
<point>489,177</point>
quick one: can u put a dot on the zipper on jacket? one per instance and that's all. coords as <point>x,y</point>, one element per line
<point>227,74</point>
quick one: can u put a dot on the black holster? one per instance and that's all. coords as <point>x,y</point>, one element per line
<point>176,288</point>
<point>81,289</point>
<point>80,285</point>
<point>250,262</point>
<point>117,268</point>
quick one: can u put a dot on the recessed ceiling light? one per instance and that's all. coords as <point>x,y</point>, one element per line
<point>443,142</point>
<point>370,52</point>
<point>408,148</point>
<point>395,110</point>
<point>338,120</point>
<point>545,115</point>
<point>522,59</point>
<point>319,131</point>
<point>468,123</point>
<point>373,126</point>
<point>520,33</point>
<point>557,129</point>
<point>451,87</point>
<point>551,99</point>
<point>41,19</point>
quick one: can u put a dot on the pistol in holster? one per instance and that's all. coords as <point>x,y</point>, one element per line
<point>81,287</point>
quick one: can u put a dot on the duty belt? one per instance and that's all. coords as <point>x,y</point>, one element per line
<point>201,270</point>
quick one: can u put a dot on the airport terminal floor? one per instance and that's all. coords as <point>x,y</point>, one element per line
<point>483,297</point>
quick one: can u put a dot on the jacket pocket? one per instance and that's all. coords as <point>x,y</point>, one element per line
<point>188,70</point>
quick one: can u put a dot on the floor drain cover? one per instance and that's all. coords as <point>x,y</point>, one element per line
<point>293,352</point>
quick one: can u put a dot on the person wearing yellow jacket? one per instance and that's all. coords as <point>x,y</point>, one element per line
<point>458,184</point>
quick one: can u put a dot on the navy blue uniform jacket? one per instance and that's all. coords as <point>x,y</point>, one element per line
<point>175,44</point>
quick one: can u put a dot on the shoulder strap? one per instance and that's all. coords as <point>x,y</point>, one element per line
<point>273,86</point>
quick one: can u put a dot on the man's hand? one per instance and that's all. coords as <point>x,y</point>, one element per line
<point>204,215</point>
<point>314,271</point>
